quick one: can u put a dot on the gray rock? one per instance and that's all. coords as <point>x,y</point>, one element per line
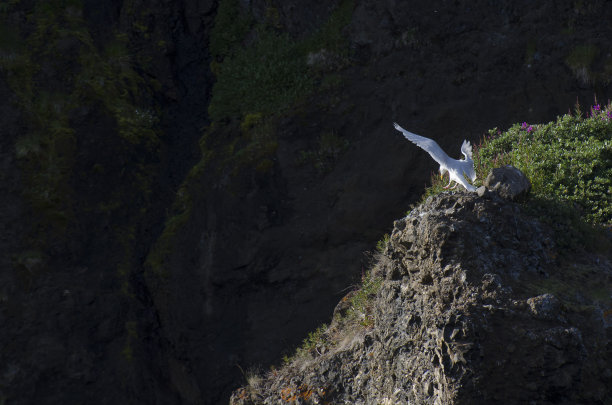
<point>509,182</point>
<point>545,306</point>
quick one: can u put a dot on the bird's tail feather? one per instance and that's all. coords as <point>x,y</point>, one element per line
<point>466,149</point>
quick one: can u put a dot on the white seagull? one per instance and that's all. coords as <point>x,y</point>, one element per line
<point>455,168</point>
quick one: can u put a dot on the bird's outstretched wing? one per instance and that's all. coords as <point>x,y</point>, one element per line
<point>429,145</point>
<point>466,149</point>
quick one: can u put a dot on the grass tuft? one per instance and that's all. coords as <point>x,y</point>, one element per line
<point>357,316</point>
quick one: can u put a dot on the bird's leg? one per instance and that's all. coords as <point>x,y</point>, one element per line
<point>448,185</point>
<point>454,186</point>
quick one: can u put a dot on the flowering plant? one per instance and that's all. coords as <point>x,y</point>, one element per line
<point>527,127</point>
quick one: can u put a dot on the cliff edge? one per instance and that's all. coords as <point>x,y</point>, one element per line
<point>476,304</point>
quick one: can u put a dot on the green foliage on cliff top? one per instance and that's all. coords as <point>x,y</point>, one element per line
<point>569,164</point>
<point>568,160</point>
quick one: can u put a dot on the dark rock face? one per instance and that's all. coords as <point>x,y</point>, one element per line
<point>76,322</point>
<point>509,182</point>
<point>459,319</point>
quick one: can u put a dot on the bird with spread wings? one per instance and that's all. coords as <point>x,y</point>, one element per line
<point>455,168</point>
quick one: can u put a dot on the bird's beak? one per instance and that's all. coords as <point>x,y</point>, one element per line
<point>441,176</point>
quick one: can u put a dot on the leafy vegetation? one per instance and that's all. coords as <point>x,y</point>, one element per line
<point>256,146</point>
<point>267,72</point>
<point>381,245</point>
<point>569,164</point>
<point>569,160</point>
<point>361,302</point>
<point>582,56</point>
<point>331,36</point>
<point>260,78</point>
<point>437,186</point>
<point>131,336</point>
<point>156,261</point>
<point>577,285</point>
<point>310,343</point>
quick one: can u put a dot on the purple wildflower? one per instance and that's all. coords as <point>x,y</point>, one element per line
<point>609,115</point>
<point>597,108</point>
<point>527,127</point>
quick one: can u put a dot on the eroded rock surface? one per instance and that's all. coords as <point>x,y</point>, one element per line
<point>469,312</point>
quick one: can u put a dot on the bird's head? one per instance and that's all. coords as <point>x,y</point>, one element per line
<point>442,170</point>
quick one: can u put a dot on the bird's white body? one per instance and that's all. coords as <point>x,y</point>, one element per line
<point>455,168</point>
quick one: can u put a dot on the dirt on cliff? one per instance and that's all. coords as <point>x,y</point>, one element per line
<point>477,305</point>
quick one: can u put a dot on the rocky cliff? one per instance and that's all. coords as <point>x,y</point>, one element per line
<point>180,178</point>
<point>476,305</point>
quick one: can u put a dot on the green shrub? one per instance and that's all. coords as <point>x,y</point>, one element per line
<point>270,72</point>
<point>381,245</point>
<point>361,301</point>
<point>263,77</point>
<point>314,338</point>
<point>569,160</point>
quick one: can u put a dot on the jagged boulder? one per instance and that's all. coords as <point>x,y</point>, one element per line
<point>509,182</point>
<point>476,306</point>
